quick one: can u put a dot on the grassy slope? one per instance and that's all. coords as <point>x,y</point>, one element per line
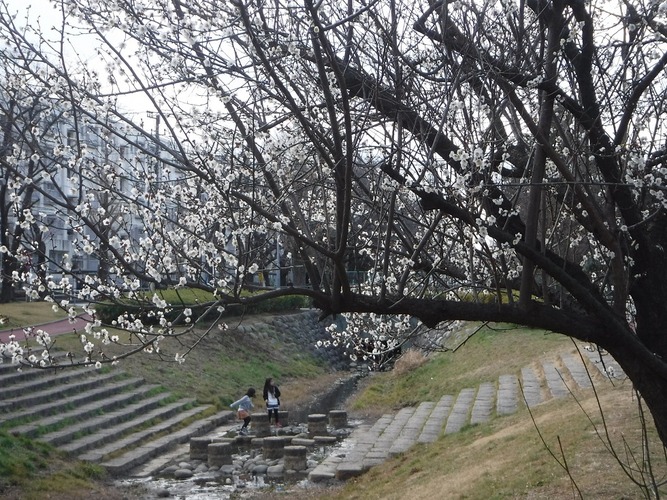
<point>489,353</point>
<point>502,459</point>
<point>507,458</point>
<point>222,366</point>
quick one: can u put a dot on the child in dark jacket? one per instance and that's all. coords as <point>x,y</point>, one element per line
<point>272,398</point>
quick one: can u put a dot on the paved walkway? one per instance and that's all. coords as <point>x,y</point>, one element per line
<point>53,328</point>
<point>371,444</point>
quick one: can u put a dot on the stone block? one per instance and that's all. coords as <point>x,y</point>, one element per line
<point>338,419</point>
<point>317,424</point>
<point>349,470</point>
<point>260,424</point>
<point>199,448</point>
<point>219,454</point>
<point>295,457</point>
<point>273,447</point>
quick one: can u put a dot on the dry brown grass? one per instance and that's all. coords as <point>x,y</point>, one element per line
<point>409,360</point>
<point>507,459</point>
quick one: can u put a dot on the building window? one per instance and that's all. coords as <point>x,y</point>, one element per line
<point>56,260</point>
<point>71,138</point>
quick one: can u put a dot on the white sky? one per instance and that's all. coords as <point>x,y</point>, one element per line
<point>36,8</point>
<point>43,15</point>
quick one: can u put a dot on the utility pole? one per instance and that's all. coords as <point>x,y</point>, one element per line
<point>156,132</point>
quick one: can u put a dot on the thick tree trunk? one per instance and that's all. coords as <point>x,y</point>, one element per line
<point>651,385</point>
<point>9,265</point>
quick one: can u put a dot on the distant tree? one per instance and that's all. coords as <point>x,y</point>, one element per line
<point>22,170</point>
<point>497,161</point>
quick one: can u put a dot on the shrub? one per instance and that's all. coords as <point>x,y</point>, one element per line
<point>108,312</point>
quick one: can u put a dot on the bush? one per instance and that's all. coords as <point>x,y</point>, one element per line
<point>109,312</point>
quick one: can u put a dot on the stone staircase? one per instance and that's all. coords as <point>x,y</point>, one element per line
<point>371,444</point>
<point>106,417</point>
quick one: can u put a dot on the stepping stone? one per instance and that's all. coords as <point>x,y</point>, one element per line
<point>507,395</point>
<point>532,391</point>
<point>577,370</point>
<point>322,474</point>
<point>459,415</point>
<point>555,381</point>
<point>481,410</point>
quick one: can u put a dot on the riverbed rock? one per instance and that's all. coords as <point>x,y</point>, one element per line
<point>201,468</point>
<point>183,474</point>
<point>228,470</point>
<point>275,471</point>
<point>260,469</point>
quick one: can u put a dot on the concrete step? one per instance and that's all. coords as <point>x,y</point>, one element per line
<point>605,364</point>
<point>104,386</point>
<point>99,415</point>
<point>6,365</point>
<point>555,381</point>
<point>482,409</point>
<point>577,370</point>
<point>408,434</point>
<point>393,430</point>
<point>531,387</point>
<point>132,459</point>
<point>45,379</point>
<point>96,447</point>
<point>508,394</point>
<point>49,394</point>
<point>11,374</point>
<point>433,426</point>
<point>138,413</point>
<point>460,413</point>
<point>83,412</point>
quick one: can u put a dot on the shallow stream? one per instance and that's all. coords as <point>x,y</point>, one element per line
<point>207,485</point>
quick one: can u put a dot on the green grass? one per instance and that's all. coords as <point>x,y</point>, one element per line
<point>219,370</point>
<point>38,470</point>
<point>20,314</point>
<point>21,457</point>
